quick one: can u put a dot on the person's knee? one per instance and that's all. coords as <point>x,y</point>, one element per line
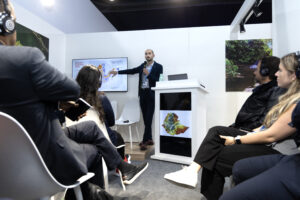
<point>238,171</point>
<point>214,130</point>
<point>93,127</point>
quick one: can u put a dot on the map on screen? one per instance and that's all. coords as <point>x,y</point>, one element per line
<point>117,83</point>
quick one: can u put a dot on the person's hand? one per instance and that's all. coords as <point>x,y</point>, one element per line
<point>81,116</point>
<point>228,140</point>
<point>145,71</point>
<point>113,72</point>
<point>66,105</point>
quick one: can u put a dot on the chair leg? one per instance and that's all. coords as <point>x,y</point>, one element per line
<point>78,193</point>
<point>130,136</point>
<point>105,174</point>
<point>137,133</point>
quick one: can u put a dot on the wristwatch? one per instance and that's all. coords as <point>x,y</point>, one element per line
<point>238,139</point>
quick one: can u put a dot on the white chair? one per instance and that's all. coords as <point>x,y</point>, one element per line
<point>130,116</point>
<point>23,173</point>
<point>114,106</point>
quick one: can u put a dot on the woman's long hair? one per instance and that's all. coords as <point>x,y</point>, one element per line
<point>290,63</point>
<point>89,79</point>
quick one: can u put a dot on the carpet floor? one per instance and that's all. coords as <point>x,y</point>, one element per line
<point>152,185</point>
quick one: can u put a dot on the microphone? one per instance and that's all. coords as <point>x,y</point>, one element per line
<point>145,63</point>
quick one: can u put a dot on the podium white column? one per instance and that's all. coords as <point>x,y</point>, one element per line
<point>185,145</point>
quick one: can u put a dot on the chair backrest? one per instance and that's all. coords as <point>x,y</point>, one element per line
<point>114,106</point>
<point>131,110</point>
<point>23,173</point>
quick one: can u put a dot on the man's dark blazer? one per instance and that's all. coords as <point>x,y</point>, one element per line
<point>30,89</point>
<point>156,70</point>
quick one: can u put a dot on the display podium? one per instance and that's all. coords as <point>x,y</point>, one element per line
<point>180,120</point>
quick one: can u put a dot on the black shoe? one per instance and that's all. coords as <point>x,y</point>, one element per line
<point>143,147</point>
<point>133,173</point>
<point>94,192</point>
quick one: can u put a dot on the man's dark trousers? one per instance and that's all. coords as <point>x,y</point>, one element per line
<point>147,106</point>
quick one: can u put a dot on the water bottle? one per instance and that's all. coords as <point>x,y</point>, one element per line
<point>161,77</point>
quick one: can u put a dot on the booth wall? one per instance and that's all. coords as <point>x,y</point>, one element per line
<point>199,52</point>
<point>55,36</point>
<point>285,27</point>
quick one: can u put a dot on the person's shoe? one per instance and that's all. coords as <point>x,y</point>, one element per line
<point>184,176</point>
<point>131,175</point>
<point>127,158</point>
<point>90,192</point>
<point>149,142</point>
<point>143,147</point>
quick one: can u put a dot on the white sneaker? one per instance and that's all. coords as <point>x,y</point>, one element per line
<point>184,176</point>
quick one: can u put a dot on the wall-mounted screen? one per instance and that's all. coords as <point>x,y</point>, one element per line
<point>117,83</point>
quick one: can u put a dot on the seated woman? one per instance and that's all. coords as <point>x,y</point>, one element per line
<point>89,79</point>
<point>267,177</point>
<point>274,137</point>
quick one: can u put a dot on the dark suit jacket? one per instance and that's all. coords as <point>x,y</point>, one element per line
<point>30,89</point>
<point>156,70</point>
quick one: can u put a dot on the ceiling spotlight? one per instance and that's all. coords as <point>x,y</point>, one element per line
<point>47,3</point>
<point>257,12</point>
<point>111,0</point>
<point>242,28</point>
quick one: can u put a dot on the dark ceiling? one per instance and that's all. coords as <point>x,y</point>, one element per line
<point>158,14</point>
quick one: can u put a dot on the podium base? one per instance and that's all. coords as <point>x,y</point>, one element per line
<point>175,159</point>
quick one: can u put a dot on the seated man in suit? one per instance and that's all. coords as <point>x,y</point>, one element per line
<point>30,91</point>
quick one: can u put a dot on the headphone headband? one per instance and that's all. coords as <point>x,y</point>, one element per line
<point>5,4</point>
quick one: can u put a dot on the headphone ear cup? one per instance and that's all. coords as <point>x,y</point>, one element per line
<point>264,71</point>
<point>7,24</point>
<point>100,80</point>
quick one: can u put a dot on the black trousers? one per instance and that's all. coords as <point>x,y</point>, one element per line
<point>95,146</point>
<point>147,106</point>
<point>260,178</point>
<point>217,159</point>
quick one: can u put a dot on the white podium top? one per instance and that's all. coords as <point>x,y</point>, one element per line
<point>179,84</point>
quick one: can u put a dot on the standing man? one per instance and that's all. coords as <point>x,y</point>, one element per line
<point>149,73</point>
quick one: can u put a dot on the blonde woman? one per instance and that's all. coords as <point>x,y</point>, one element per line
<point>223,146</point>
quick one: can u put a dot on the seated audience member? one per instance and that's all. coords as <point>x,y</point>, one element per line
<point>89,79</point>
<point>274,137</point>
<point>30,91</point>
<point>264,96</point>
<point>267,177</point>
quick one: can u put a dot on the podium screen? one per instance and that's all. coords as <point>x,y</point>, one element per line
<point>175,123</point>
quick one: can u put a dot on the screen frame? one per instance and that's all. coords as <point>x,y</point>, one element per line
<point>103,58</point>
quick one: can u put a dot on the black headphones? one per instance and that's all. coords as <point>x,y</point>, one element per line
<point>264,70</point>
<point>297,54</point>
<point>7,24</point>
<point>100,78</point>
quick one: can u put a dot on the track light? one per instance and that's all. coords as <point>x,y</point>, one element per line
<point>242,28</point>
<point>257,12</point>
